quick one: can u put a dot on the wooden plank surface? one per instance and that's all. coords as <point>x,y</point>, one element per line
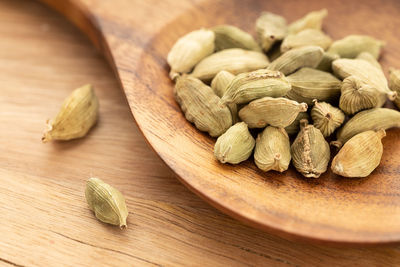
<point>44,217</point>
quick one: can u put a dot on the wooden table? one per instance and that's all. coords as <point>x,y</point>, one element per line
<point>45,220</point>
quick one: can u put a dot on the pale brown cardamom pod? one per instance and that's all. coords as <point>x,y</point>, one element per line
<point>310,151</point>
<point>235,145</point>
<point>360,155</point>
<point>351,46</point>
<point>107,203</point>
<point>289,62</point>
<point>309,84</point>
<point>219,84</point>
<point>312,20</point>
<point>371,119</point>
<point>228,36</point>
<point>304,38</point>
<point>77,115</point>
<point>278,112</point>
<point>326,117</point>
<point>270,28</point>
<point>272,150</point>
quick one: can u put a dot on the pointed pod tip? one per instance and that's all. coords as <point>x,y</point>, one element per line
<point>391,95</point>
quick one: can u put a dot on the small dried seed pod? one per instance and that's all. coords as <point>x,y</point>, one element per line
<point>309,84</point>
<point>270,28</point>
<point>312,20</point>
<point>357,95</point>
<point>394,84</point>
<point>326,62</point>
<point>278,112</point>
<point>352,45</point>
<point>219,84</point>
<point>371,119</point>
<point>201,106</point>
<point>305,38</point>
<point>289,62</point>
<point>246,87</point>
<point>365,71</point>
<point>310,151</point>
<point>228,36</point>
<point>234,60</point>
<point>78,114</point>
<point>190,50</point>
<point>360,155</point>
<point>369,58</point>
<point>107,203</point>
<point>294,127</point>
<point>235,145</point>
<point>272,150</point>
<point>326,118</point>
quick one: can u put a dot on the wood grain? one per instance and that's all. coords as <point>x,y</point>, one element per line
<point>135,37</point>
<point>44,220</point>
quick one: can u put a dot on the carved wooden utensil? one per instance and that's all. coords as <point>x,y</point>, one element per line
<point>135,36</point>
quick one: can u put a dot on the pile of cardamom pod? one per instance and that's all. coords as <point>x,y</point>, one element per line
<point>294,74</point>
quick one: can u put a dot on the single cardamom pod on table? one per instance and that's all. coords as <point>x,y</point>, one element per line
<point>360,155</point>
<point>107,203</point>
<point>272,150</point>
<point>77,115</point>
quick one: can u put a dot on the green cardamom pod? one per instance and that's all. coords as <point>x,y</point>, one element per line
<point>326,117</point>
<point>305,38</point>
<point>107,203</point>
<point>309,84</point>
<point>357,95</point>
<point>394,84</point>
<point>78,114</point>
<point>246,87</point>
<point>278,112</point>
<point>294,127</point>
<point>312,20</point>
<point>363,70</point>
<point>201,106</point>
<point>310,151</point>
<point>369,58</point>
<point>190,50</point>
<point>272,150</point>
<point>289,62</point>
<point>235,145</point>
<point>352,45</point>
<point>326,62</point>
<point>371,119</point>
<point>219,84</point>
<point>360,155</point>
<point>234,60</point>
<point>227,36</point>
<point>270,28</point>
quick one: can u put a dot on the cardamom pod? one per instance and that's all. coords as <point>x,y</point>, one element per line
<point>304,38</point>
<point>235,145</point>
<point>309,84</point>
<point>234,60</point>
<point>227,36</point>
<point>326,62</point>
<point>369,58</point>
<point>360,155</point>
<point>77,115</point>
<point>278,112</point>
<point>219,84</point>
<point>357,95</point>
<point>352,45</point>
<point>272,150</point>
<point>310,151</point>
<point>326,117</point>
<point>189,50</point>
<point>394,84</point>
<point>107,203</point>
<point>294,127</point>
<point>362,69</point>
<point>371,119</point>
<point>270,28</point>
<point>201,106</point>
<point>289,62</point>
<point>312,20</point>
<point>246,87</point>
